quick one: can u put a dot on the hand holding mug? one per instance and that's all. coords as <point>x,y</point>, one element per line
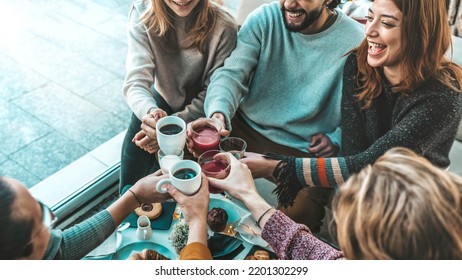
<point>145,192</point>
<point>145,142</point>
<point>193,207</point>
<point>149,121</point>
<point>184,175</point>
<point>146,138</point>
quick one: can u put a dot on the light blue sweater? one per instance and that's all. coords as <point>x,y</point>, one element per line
<point>290,83</point>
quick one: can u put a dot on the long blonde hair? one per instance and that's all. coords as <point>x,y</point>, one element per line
<point>401,207</point>
<point>426,38</point>
<point>159,20</point>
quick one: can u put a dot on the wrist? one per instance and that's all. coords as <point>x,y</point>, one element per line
<point>270,167</point>
<point>251,199</point>
<point>220,117</point>
<point>261,221</point>
<point>197,222</point>
<point>135,197</point>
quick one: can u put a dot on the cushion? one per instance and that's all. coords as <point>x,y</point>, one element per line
<point>459,133</point>
<point>247,6</point>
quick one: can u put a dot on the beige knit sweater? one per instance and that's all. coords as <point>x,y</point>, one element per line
<point>181,78</point>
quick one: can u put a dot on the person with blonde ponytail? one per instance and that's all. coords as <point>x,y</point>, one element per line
<point>399,89</point>
<point>173,49</point>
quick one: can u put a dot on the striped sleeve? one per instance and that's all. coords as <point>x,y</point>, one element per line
<point>321,172</point>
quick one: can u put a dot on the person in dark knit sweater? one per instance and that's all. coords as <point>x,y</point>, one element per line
<point>397,92</point>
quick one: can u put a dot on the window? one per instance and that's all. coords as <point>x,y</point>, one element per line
<point>62,112</point>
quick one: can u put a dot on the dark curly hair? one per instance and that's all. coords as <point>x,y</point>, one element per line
<point>14,233</point>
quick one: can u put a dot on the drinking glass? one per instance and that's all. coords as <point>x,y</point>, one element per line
<point>167,160</point>
<point>235,145</point>
<point>211,167</point>
<point>205,135</point>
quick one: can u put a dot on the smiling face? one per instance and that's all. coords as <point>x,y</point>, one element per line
<point>182,8</point>
<point>305,16</point>
<point>383,31</point>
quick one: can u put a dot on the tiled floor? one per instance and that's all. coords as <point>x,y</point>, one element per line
<point>61,72</point>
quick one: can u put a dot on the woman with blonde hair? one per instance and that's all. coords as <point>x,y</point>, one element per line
<point>173,49</point>
<point>399,89</point>
<point>400,207</point>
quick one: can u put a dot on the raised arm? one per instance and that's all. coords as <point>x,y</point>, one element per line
<point>289,239</point>
<point>139,66</point>
<point>231,82</point>
<point>82,238</point>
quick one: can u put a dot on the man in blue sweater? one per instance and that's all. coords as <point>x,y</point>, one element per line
<point>280,89</point>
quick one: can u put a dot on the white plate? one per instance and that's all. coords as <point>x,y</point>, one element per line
<point>126,251</point>
<point>250,232</point>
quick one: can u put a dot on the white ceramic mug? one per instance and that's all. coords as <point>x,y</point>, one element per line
<point>184,175</point>
<point>170,140</point>
<point>144,230</point>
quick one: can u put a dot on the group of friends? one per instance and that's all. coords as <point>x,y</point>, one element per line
<point>357,118</point>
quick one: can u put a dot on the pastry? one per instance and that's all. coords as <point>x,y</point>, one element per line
<point>251,257</point>
<point>261,255</point>
<point>148,254</point>
<point>151,210</point>
<point>217,219</point>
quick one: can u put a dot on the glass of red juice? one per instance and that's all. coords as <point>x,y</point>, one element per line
<point>215,168</point>
<point>205,135</point>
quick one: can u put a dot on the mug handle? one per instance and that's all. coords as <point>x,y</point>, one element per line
<point>160,183</point>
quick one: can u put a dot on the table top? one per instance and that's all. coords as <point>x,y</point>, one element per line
<point>161,237</point>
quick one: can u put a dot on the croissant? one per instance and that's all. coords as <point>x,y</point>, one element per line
<point>148,254</point>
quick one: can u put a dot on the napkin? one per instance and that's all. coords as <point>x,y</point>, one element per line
<point>109,246</point>
<point>224,247</point>
<point>251,234</point>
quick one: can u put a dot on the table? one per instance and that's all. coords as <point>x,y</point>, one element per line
<point>162,236</point>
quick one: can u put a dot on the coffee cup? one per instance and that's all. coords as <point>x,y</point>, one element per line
<point>171,134</point>
<point>184,175</point>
